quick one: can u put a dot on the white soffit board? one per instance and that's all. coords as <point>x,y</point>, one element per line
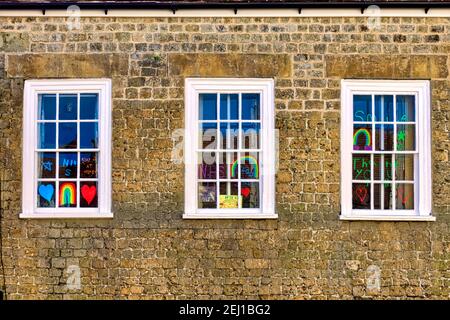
<point>325,12</point>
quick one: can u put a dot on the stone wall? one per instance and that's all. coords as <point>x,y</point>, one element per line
<point>148,250</point>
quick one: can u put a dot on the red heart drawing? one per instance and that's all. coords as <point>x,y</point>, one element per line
<point>361,192</point>
<point>404,197</point>
<point>88,193</point>
<point>245,192</point>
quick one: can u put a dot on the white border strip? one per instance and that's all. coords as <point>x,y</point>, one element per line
<point>325,12</point>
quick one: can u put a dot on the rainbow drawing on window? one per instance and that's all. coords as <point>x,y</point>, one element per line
<point>67,195</point>
<point>251,160</point>
<point>368,138</point>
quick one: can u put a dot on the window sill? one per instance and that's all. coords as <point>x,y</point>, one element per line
<point>253,216</point>
<point>387,218</point>
<point>72,215</point>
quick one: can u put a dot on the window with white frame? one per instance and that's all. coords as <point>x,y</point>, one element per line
<point>229,148</point>
<point>385,150</point>
<point>67,149</point>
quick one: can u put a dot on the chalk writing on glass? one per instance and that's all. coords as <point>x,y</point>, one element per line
<point>47,165</point>
<point>362,116</point>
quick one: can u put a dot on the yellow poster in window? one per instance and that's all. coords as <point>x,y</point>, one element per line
<point>229,202</point>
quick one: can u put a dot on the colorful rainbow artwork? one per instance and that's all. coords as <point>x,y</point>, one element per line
<point>67,194</point>
<point>366,133</point>
<point>250,159</point>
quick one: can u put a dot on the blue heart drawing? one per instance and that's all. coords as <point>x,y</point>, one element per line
<point>46,191</point>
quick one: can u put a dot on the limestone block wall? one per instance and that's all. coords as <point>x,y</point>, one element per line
<point>148,250</point>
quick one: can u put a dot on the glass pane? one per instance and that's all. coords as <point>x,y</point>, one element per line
<point>362,108</point>
<point>229,133</point>
<point>229,195</point>
<point>406,137</point>
<point>47,165</point>
<point>361,195</point>
<point>377,189</point>
<point>250,106</point>
<point>382,167</point>
<point>208,106</point>
<point>229,106</point>
<point>88,192</point>
<point>88,165</point>
<point>404,196</point>
<point>208,136</point>
<point>88,106</point>
<point>88,135</point>
<point>387,189</point>
<point>228,165</point>
<point>207,195</point>
<point>207,168</point>
<point>67,194</point>
<point>250,135</point>
<point>68,135</point>
<point>249,165</point>
<point>406,110</point>
<point>67,107</point>
<point>47,106</point>
<point>68,164</point>
<point>384,108</point>
<point>361,167</point>
<point>404,169</point>
<point>46,194</point>
<point>250,194</point>
<point>47,135</point>
<point>382,194</point>
<point>384,137</point>
<point>362,137</point>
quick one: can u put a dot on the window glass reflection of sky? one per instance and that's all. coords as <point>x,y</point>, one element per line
<point>208,106</point>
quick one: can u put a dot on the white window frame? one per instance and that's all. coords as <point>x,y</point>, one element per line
<point>29,164</point>
<point>423,174</point>
<point>194,86</point>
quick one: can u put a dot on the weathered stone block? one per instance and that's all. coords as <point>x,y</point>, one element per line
<point>14,42</point>
<point>66,65</point>
<point>230,65</point>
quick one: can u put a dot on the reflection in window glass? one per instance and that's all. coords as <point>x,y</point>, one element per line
<point>406,109</point>
<point>362,108</point>
<point>88,135</point>
<point>384,108</point>
<point>68,107</point>
<point>250,106</point>
<point>208,106</point>
<point>88,106</point>
<point>47,106</point>
<point>229,106</point>
<point>47,135</point>
<point>67,138</point>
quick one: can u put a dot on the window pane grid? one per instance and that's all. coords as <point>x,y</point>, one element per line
<point>370,194</point>
<point>229,150</point>
<point>70,190</point>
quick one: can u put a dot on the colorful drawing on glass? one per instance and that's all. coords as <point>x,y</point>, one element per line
<point>361,193</point>
<point>46,191</point>
<point>230,202</point>
<point>67,195</point>
<point>252,160</point>
<point>88,193</point>
<point>368,138</point>
<point>245,192</point>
